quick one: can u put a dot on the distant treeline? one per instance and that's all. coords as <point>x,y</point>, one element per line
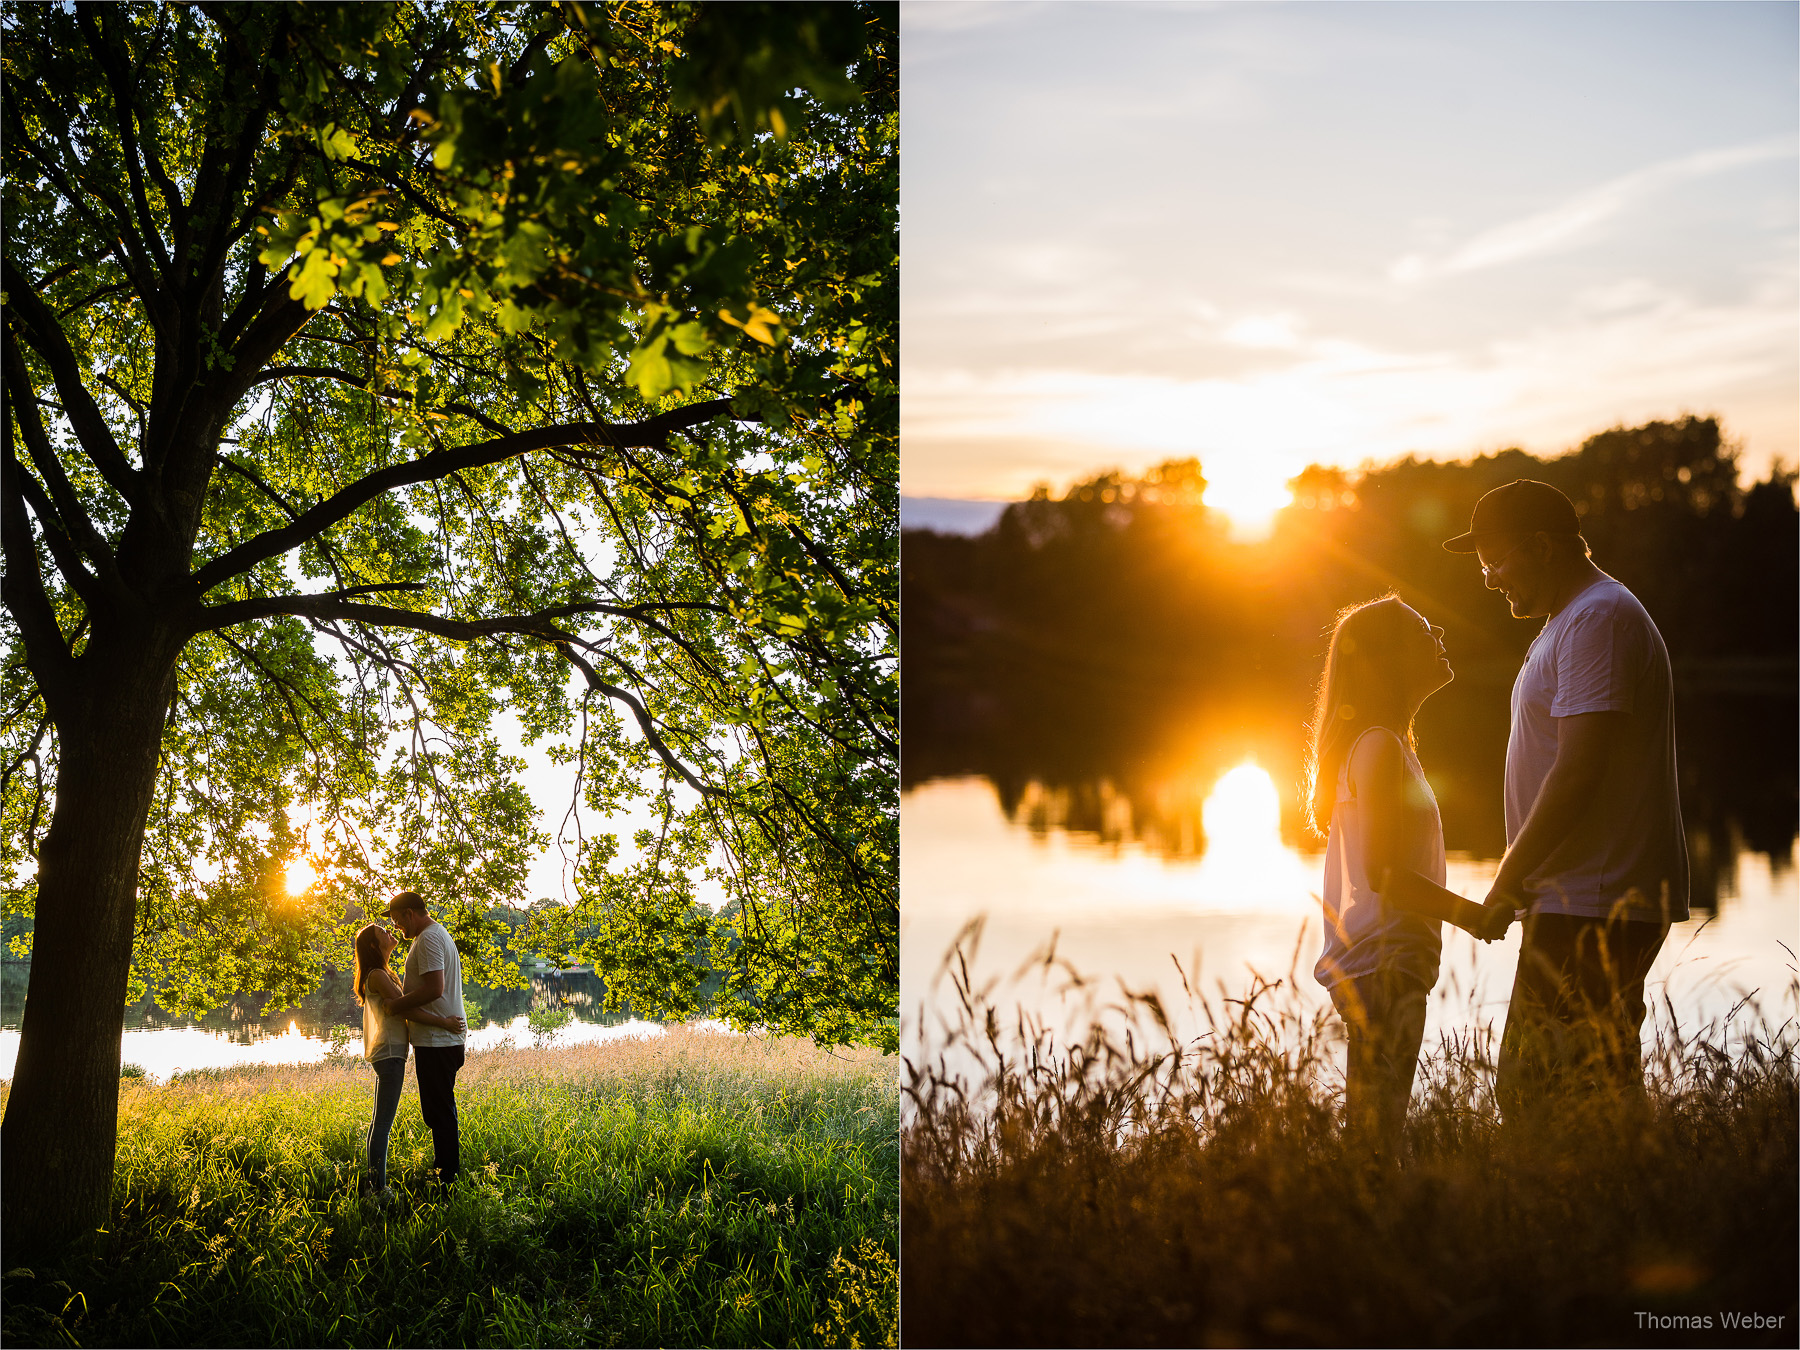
<point>1119,641</point>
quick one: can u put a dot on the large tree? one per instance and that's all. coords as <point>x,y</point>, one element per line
<point>371,371</point>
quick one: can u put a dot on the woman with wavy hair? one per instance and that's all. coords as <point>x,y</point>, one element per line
<point>384,1039</point>
<point>1367,794</point>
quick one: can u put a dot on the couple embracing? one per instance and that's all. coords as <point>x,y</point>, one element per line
<point>426,1013</point>
<point>1595,865</point>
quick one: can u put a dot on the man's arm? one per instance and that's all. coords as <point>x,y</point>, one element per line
<point>431,986</point>
<point>1583,743</point>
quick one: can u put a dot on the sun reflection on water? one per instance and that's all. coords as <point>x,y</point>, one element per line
<point>1245,864</point>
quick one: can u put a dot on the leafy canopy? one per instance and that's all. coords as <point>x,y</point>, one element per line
<point>420,364</point>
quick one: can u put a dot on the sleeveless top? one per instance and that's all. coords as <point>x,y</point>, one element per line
<point>384,1035</point>
<point>1362,933</point>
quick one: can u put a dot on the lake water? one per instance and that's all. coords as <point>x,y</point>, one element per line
<point>1120,910</point>
<point>237,1034</point>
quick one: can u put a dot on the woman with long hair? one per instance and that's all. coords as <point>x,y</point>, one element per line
<point>1368,795</point>
<point>384,1038</point>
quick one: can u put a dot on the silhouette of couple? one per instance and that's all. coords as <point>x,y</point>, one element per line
<point>1596,863</point>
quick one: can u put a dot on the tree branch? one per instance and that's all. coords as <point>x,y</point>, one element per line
<point>356,382</point>
<point>330,605</point>
<point>22,585</point>
<point>441,464</point>
<point>124,115</point>
<point>255,480</point>
<point>47,338</point>
<point>644,721</point>
<point>137,263</point>
<point>62,548</point>
<point>531,625</point>
<point>67,529</point>
<point>90,297</point>
<point>216,185</point>
<point>313,372</point>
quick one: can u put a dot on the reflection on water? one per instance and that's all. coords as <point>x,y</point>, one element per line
<point>239,1033</point>
<point>1127,911</point>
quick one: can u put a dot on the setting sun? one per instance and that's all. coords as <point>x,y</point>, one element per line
<point>1249,492</point>
<point>300,876</point>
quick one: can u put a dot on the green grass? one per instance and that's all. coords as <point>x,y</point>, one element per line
<point>695,1189</point>
<point>1128,1192</point>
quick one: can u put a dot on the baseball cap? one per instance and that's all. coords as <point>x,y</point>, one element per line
<point>1523,506</point>
<point>404,900</point>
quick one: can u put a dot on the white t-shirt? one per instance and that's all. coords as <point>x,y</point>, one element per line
<point>1602,653</point>
<point>1363,934</point>
<point>434,950</point>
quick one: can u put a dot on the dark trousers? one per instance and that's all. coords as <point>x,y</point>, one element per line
<point>1577,1011</point>
<point>1384,1017</point>
<point>435,1067</point>
<point>390,1075</point>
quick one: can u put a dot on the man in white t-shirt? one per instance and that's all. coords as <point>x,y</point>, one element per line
<point>434,983</point>
<point>1596,856</point>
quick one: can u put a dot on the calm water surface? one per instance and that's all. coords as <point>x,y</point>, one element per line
<point>236,1034</point>
<point>1245,907</point>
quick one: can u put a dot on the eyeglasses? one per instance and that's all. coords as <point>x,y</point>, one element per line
<point>1488,569</point>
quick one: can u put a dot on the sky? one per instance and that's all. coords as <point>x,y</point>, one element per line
<point>1274,234</point>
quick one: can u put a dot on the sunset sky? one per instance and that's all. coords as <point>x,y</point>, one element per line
<point>1271,234</point>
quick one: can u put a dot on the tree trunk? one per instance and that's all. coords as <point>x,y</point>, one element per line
<point>59,1136</point>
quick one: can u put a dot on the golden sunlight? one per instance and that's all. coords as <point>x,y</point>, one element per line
<point>1243,812</point>
<point>300,876</point>
<point>1249,492</point>
<point>1246,866</point>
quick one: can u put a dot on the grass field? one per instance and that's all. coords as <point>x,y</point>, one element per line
<point>693,1189</point>
<point>1129,1193</point>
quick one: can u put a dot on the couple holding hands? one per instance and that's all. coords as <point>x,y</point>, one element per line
<point>1596,863</point>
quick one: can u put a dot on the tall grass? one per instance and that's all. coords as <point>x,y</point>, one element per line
<point>1131,1190</point>
<point>693,1189</point>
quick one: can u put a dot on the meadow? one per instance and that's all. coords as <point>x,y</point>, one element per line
<point>692,1189</point>
<point>1131,1190</point>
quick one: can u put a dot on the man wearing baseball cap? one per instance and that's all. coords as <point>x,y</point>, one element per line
<point>434,983</point>
<point>1596,859</point>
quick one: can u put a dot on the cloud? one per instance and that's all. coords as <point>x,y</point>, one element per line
<point>960,16</point>
<point>1569,223</point>
<point>1630,353</point>
<point>1271,332</point>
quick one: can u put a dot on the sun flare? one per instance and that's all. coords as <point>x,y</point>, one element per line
<point>1243,812</point>
<point>1249,494</point>
<point>300,876</point>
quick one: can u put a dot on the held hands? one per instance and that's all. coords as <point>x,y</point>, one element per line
<point>1501,904</point>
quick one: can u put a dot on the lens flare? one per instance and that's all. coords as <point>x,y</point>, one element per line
<point>300,876</point>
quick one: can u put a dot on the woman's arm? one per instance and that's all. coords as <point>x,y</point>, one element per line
<point>433,1020</point>
<point>1378,777</point>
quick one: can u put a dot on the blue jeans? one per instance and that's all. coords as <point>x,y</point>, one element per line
<point>390,1074</point>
